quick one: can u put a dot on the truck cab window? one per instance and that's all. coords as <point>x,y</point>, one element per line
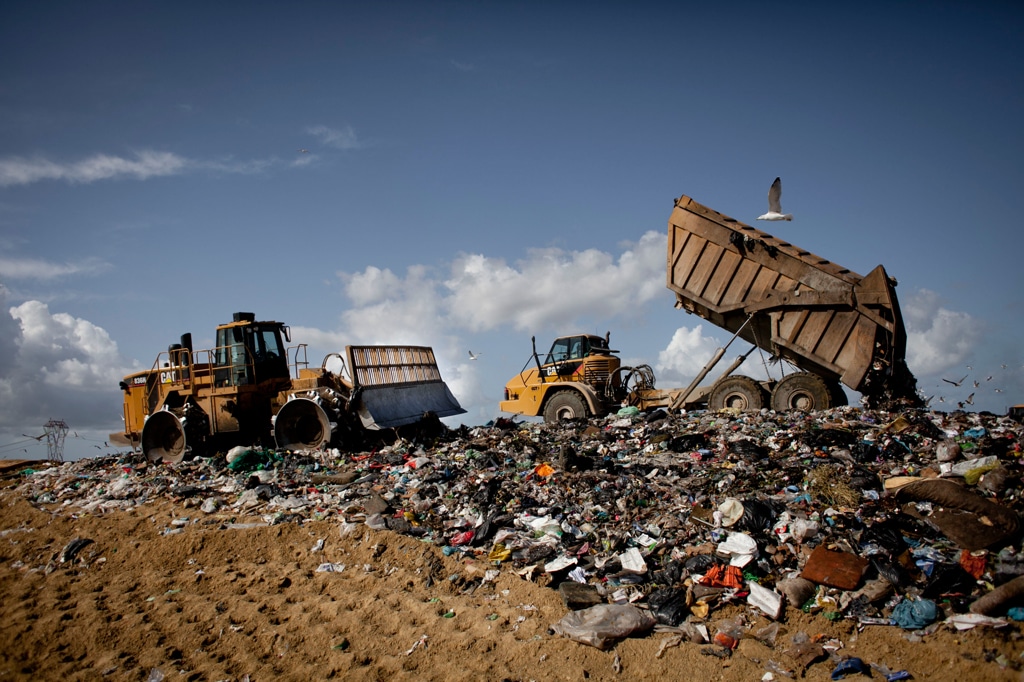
<point>559,351</point>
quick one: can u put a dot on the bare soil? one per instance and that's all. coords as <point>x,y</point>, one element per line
<point>213,601</point>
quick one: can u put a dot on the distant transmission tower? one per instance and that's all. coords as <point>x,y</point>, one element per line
<point>56,430</point>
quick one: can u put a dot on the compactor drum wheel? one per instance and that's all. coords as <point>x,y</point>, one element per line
<point>301,424</point>
<point>564,405</point>
<point>163,438</point>
<point>737,392</point>
<point>801,391</point>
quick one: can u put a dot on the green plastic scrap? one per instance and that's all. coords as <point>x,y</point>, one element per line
<point>974,475</point>
<point>251,460</point>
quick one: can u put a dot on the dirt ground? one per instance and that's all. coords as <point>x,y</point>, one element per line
<point>220,598</point>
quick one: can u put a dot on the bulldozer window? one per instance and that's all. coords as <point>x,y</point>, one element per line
<point>232,358</point>
<point>268,345</point>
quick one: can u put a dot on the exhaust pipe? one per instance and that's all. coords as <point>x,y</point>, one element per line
<point>163,438</point>
<point>302,424</point>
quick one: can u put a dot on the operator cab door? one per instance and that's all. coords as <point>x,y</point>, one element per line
<point>269,359</point>
<point>249,355</point>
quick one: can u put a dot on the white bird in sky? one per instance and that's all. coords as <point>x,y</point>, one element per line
<point>775,203</point>
<point>472,356</point>
<point>303,151</point>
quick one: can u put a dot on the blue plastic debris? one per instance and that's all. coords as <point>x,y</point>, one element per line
<point>914,614</point>
<point>848,667</point>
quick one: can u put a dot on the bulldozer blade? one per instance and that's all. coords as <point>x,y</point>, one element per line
<point>301,424</point>
<point>163,438</point>
<point>398,385</point>
<point>385,407</point>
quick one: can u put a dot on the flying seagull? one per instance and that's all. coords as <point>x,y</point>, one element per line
<point>775,203</point>
<point>303,151</point>
<point>955,383</point>
<point>472,356</point>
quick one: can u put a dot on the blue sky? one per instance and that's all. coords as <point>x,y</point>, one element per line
<point>478,173</point>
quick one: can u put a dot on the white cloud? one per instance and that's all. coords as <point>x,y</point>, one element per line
<point>686,354</point>
<point>251,167</point>
<point>371,286</point>
<point>339,139</point>
<point>393,310</point>
<point>34,268</point>
<point>553,287</point>
<point>54,365</point>
<point>937,338</point>
<point>18,170</point>
<point>66,351</point>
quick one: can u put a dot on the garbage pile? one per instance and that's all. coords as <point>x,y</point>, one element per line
<point>657,521</point>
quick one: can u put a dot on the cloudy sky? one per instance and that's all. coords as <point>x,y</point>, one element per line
<point>467,175</point>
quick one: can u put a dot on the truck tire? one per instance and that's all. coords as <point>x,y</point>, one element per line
<point>564,405</point>
<point>738,392</point>
<point>801,391</point>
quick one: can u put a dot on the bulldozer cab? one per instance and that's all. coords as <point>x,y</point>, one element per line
<point>250,352</point>
<point>568,353</point>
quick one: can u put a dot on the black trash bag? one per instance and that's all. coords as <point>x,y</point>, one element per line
<point>865,452</point>
<point>748,449</point>
<point>988,445</point>
<point>895,449</point>
<point>656,415</point>
<point>757,516</point>
<point>484,495</point>
<point>700,563</point>
<point>887,535</point>
<point>821,439</point>
<point>891,571</point>
<point>862,479</point>
<point>688,442</point>
<point>569,460</point>
<point>486,530</point>
<point>668,605</point>
<point>948,579</point>
<point>535,553</point>
<point>669,575</point>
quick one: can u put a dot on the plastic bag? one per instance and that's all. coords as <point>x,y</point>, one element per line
<point>603,624</point>
<point>668,605</point>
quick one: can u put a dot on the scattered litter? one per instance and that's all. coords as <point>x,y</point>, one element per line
<point>647,521</point>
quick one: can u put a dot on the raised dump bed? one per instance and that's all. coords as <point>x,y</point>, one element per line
<point>821,317</point>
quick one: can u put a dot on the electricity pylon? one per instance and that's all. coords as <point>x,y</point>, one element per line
<point>56,430</point>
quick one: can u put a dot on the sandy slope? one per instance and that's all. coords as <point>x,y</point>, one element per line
<point>213,602</point>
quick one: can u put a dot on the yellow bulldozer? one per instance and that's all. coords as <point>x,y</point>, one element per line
<point>252,389</point>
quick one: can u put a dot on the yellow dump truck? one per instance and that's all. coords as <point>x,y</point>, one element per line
<point>252,389</point>
<point>832,326</point>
